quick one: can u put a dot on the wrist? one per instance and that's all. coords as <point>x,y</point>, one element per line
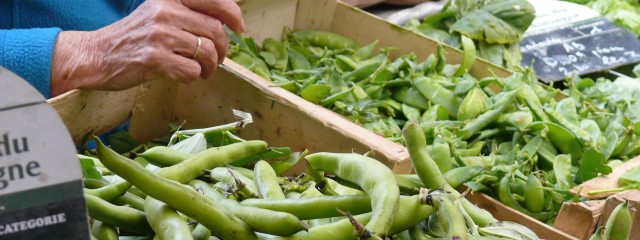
<point>71,61</point>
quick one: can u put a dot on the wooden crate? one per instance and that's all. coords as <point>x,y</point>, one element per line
<point>281,118</point>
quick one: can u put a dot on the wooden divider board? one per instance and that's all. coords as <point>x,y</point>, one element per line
<point>579,219</point>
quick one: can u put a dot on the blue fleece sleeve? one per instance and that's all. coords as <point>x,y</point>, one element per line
<point>28,53</point>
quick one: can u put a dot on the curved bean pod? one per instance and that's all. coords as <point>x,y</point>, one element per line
<point>183,198</point>
<point>165,221</point>
<point>373,177</point>
<point>266,181</point>
<point>122,217</point>
<point>260,220</point>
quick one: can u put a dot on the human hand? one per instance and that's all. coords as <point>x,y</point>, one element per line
<point>158,40</point>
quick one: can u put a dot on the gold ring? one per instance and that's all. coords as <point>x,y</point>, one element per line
<point>195,54</point>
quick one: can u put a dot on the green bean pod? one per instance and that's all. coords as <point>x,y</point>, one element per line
<point>162,156</point>
<point>260,220</point>
<point>118,216</point>
<point>103,231</point>
<point>200,232</point>
<point>373,177</point>
<point>450,217</point>
<point>165,221</point>
<point>192,167</point>
<point>425,167</point>
<point>505,196</point>
<point>618,226</point>
<point>244,184</point>
<point>131,200</point>
<point>315,207</point>
<point>109,192</point>
<point>183,199</point>
<point>266,181</point>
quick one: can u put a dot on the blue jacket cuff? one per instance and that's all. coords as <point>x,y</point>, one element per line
<point>28,53</point>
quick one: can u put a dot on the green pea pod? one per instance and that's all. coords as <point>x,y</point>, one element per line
<point>531,148</point>
<point>335,97</point>
<point>591,127</point>
<point>365,69</point>
<point>575,129</point>
<point>103,231</point>
<point>266,181</point>
<point>365,51</point>
<point>463,87</point>
<point>534,195</point>
<point>505,196</point>
<point>325,39</point>
<point>345,64</point>
<point>315,93</point>
<point>118,216</point>
<point>441,153</point>
<point>457,176</point>
<point>440,62</point>
<point>563,139</point>
<point>531,100</point>
<point>278,50</point>
<point>618,226</point>
<point>437,94</point>
<point>546,153</point>
<point>473,150</point>
<point>469,57</point>
<point>297,60</point>
<point>183,199</point>
<point>254,64</point>
<point>359,169</point>
<point>411,96</point>
<point>474,103</point>
<point>410,113</point>
<point>475,125</point>
<point>519,119</point>
<point>165,221</point>
<point>567,108</point>
<point>562,171</point>
<point>434,113</point>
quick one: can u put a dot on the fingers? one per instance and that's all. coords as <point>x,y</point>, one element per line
<point>206,26</point>
<point>179,68</point>
<point>227,11</point>
<point>186,45</point>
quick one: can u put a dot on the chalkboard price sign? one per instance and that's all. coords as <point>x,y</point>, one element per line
<point>574,39</point>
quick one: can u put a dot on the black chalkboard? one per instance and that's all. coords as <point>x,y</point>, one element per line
<point>588,46</point>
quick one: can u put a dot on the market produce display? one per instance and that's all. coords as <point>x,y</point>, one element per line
<point>533,143</point>
<point>496,26</point>
<point>212,186</point>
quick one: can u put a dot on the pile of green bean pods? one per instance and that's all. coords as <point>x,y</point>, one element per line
<point>523,143</point>
<point>211,184</point>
